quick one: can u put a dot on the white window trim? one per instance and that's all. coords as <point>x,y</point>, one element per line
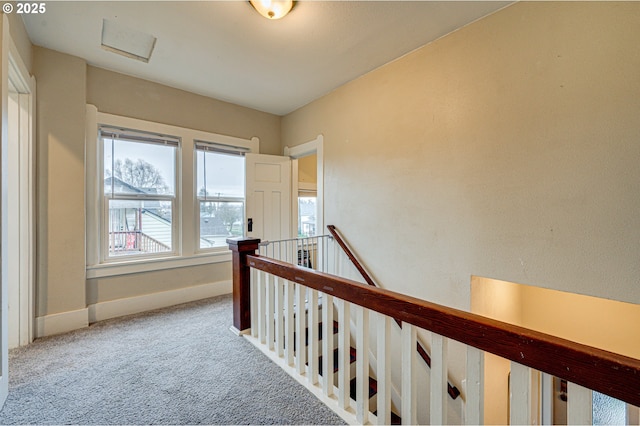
<point>156,264</point>
<point>186,239</point>
<point>313,146</point>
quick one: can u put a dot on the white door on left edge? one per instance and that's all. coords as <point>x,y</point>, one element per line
<point>268,197</point>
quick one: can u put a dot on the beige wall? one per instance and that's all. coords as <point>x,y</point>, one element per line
<point>61,91</point>
<point>120,94</point>
<point>65,85</point>
<point>308,169</point>
<point>20,38</point>
<point>131,285</point>
<point>133,97</point>
<point>508,149</point>
<point>606,324</point>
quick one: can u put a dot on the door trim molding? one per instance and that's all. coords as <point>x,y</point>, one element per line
<point>315,146</point>
<point>24,84</point>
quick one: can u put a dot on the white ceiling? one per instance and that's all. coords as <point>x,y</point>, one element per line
<point>226,50</point>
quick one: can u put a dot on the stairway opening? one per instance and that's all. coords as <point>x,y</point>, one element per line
<point>602,323</point>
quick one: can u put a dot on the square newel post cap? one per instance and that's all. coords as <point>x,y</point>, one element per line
<point>241,244</point>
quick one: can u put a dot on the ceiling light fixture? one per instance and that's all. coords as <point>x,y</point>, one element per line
<point>272,9</point>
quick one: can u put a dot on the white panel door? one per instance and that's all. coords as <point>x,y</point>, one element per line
<point>268,194</point>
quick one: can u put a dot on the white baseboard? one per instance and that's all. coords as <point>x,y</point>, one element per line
<point>61,323</point>
<point>133,305</point>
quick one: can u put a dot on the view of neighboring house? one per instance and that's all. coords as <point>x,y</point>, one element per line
<point>147,228</point>
<point>144,228</point>
<point>307,216</point>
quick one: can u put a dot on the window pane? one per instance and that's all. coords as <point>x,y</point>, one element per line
<point>306,216</point>
<point>139,227</point>
<point>220,175</point>
<point>608,410</point>
<point>138,168</point>
<point>219,221</point>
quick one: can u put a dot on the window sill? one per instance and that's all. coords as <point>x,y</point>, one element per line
<point>148,265</point>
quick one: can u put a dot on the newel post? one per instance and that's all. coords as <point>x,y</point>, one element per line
<point>240,248</point>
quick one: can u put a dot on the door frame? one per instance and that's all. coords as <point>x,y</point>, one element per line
<point>23,84</point>
<point>315,146</point>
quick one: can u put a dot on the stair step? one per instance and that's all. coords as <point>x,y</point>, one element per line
<point>306,334</point>
<point>373,383</point>
<point>373,387</point>
<point>352,359</point>
<point>395,419</point>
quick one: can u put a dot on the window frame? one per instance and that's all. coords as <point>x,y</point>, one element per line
<point>220,149</point>
<point>185,242</point>
<point>106,257</point>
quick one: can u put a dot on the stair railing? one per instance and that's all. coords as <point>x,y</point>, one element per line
<point>453,391</point>
<point>585,368</point>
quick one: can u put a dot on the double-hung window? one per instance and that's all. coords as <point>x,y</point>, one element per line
<point>139,193</point>
<point>160,196</point>
<point>219,193</point>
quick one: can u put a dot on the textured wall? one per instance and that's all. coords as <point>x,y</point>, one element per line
<point>508,149</point>
<point>61,92</point>
<point>65,85</point>
<point>133,97</point>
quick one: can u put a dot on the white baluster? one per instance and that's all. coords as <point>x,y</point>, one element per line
<point>409,412</point>
<point>546,398</point>
<point>254,302</point>
<point>384,370</point>
<point>262,305</point>
<point>474,408</point>
<point>327,344</point>
<point>270,310</point>
<point>289,322</point>
<point>438,386</point>
<point>344,354</point>
<point>523,395</point>
<point>362,365</point>
<point>279,316</point>
<point>333,264</point>
<point>312,326</point>
<point>301,348</point>
<point>579,405</point>
<point>319,255</point>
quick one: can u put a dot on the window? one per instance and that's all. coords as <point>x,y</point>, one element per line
<point>139,193</point>
<point>307,225</point>
<point>220,193</point>
<point>142,202</point>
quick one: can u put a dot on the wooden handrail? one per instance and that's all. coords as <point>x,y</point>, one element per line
<point>453,391</point>
<point>606,372</point>
<point>352,257</point>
